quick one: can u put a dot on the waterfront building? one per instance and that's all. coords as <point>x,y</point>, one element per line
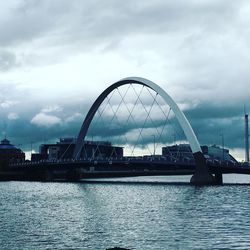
<point>9,153</point>
<point>183,152</point>
<point>64,148</point>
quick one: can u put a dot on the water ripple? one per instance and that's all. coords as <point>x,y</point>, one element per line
<point>97,216</point>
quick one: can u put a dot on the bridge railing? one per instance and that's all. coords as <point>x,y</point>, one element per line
<point>113,160</point>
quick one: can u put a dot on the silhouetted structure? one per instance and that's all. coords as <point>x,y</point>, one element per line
<point>9,153</point>
<point>183,153</point>
<point>65,147</point>
<point>246,139</point>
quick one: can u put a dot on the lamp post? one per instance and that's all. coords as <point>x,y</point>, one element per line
<point>154,145</point>
<point>31,148</point>
<point>246,138</point>
<point>174,138</point>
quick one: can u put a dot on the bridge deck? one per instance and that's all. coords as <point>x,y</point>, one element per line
<point>139,167</point>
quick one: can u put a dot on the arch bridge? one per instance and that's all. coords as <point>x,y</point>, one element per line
<point>202,174</point>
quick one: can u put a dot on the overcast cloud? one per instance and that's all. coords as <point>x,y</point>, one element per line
<point>57,56</point>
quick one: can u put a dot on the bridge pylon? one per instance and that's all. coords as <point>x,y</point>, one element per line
<point>202,175</point>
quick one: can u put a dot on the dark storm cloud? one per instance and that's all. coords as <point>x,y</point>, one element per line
<point>30,20</point>
<point>203,44</point>
<point>116,20</point>
<point>19,108</point>
<point>23,131</point>
<point>87,21</point>
<point>210,122</point>
<point>105,128</point>
<point>210,111</point>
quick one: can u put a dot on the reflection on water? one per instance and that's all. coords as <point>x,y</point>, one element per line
<point>37,215</point>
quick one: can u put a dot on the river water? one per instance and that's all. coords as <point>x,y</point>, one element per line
<point>136,213</point>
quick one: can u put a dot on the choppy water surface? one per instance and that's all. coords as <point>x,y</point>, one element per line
<point>37,215</point>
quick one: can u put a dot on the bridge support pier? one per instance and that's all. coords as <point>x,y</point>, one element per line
<point>218,176</point>
<point>73,175</point>
<point>202,175</point>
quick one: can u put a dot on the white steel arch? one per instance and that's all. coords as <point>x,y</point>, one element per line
<point>188,131</point>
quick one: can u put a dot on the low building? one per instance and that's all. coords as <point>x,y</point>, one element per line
<point>9,153</point>
<point>64,149</point>
<point>183,153</point>
<point>175,153</point>
<point>215,152</point>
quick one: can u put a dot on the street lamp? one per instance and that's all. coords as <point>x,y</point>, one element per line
<point>154,144</point>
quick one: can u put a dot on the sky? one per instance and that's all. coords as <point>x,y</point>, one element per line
<point>57,56</point>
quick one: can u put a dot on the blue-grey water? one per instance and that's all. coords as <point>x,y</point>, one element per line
<point>137,213</point>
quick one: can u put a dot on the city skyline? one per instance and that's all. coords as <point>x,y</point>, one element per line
<point>56,58</point>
